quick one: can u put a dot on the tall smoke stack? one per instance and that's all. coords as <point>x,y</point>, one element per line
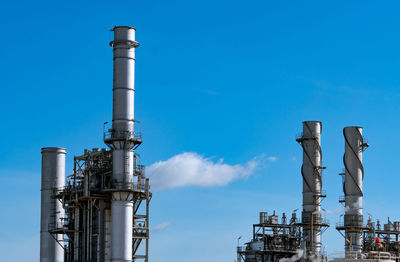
<point>311,171</point>
<point>353,188</point>
<point>52,212</point>
<point>123,143</point>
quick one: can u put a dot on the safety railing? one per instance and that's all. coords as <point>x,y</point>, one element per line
<point>110,134</point>
<point>135,186</point>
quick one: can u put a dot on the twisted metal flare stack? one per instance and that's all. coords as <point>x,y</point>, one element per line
<point>353,188</point>
<point>311,172</point>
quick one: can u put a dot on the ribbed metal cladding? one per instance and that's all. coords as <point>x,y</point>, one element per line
<point>312,183</point>
<point>353,188</point>
<point>124,45</point>
<point>53,179</point>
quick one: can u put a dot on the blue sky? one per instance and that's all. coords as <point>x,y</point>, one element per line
<point>229,80</point>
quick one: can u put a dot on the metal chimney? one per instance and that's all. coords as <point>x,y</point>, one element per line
<point>354,175</point>
<point>311,171</point>
<point>123,142</point>
<point>52,212</point>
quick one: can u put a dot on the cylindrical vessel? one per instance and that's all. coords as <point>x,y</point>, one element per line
<point>353,191</point>
<point>312,183</point>
<point>123,168</point>
<point>388,227</point>
<point>263,217</point>
<point>121,237</point>
<point>273,220</point>
<point>396,226</point>
<point>52,212</point>
<point>124,45</point>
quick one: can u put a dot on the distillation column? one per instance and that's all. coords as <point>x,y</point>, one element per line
<point>123,142</point>
<point>52,212</point>
<point>311,171</point>
<point>354,175</point>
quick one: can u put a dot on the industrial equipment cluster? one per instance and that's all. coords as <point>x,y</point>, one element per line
<point>300,239</point>
<point>101,211</point>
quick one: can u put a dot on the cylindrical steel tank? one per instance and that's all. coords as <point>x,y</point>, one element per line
<point>263,217</point>
<point>53,180</point>
<point>388,227</point>
<point>273,220</point>
<point>396,226</point>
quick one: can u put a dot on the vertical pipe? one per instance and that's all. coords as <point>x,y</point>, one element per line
<point>90,230</point>
<point>84,233</point>
<point>52,212</point>
<point>107,235</point>
<point>77,221</point>
<point>312,184</point>
<point>354,175</point>
<point>101,232</point>
<point>147,184</point>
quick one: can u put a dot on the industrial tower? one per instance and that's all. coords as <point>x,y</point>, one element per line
<point>311,171</point>
<point>353,191</point>
<point>106,199</point>
<point>293,240</point>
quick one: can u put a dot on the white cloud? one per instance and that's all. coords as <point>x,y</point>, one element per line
<point>272,159</point>
<point>161,227</point>
<point>192,169</point>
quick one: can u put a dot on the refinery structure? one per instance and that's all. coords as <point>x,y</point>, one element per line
<point>293,239</point>
<point>100,212</point>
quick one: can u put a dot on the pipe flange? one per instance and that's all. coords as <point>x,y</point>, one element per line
<point>124,42</point>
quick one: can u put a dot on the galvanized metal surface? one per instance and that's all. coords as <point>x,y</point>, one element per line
<point>124,45</point>
<point>311,171</point>
<point>107,197</point>
<point>353,188</point>
<point>293,241</point>
<point>107,242</point>
<point>272,241</point>
<point>52,212</point>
